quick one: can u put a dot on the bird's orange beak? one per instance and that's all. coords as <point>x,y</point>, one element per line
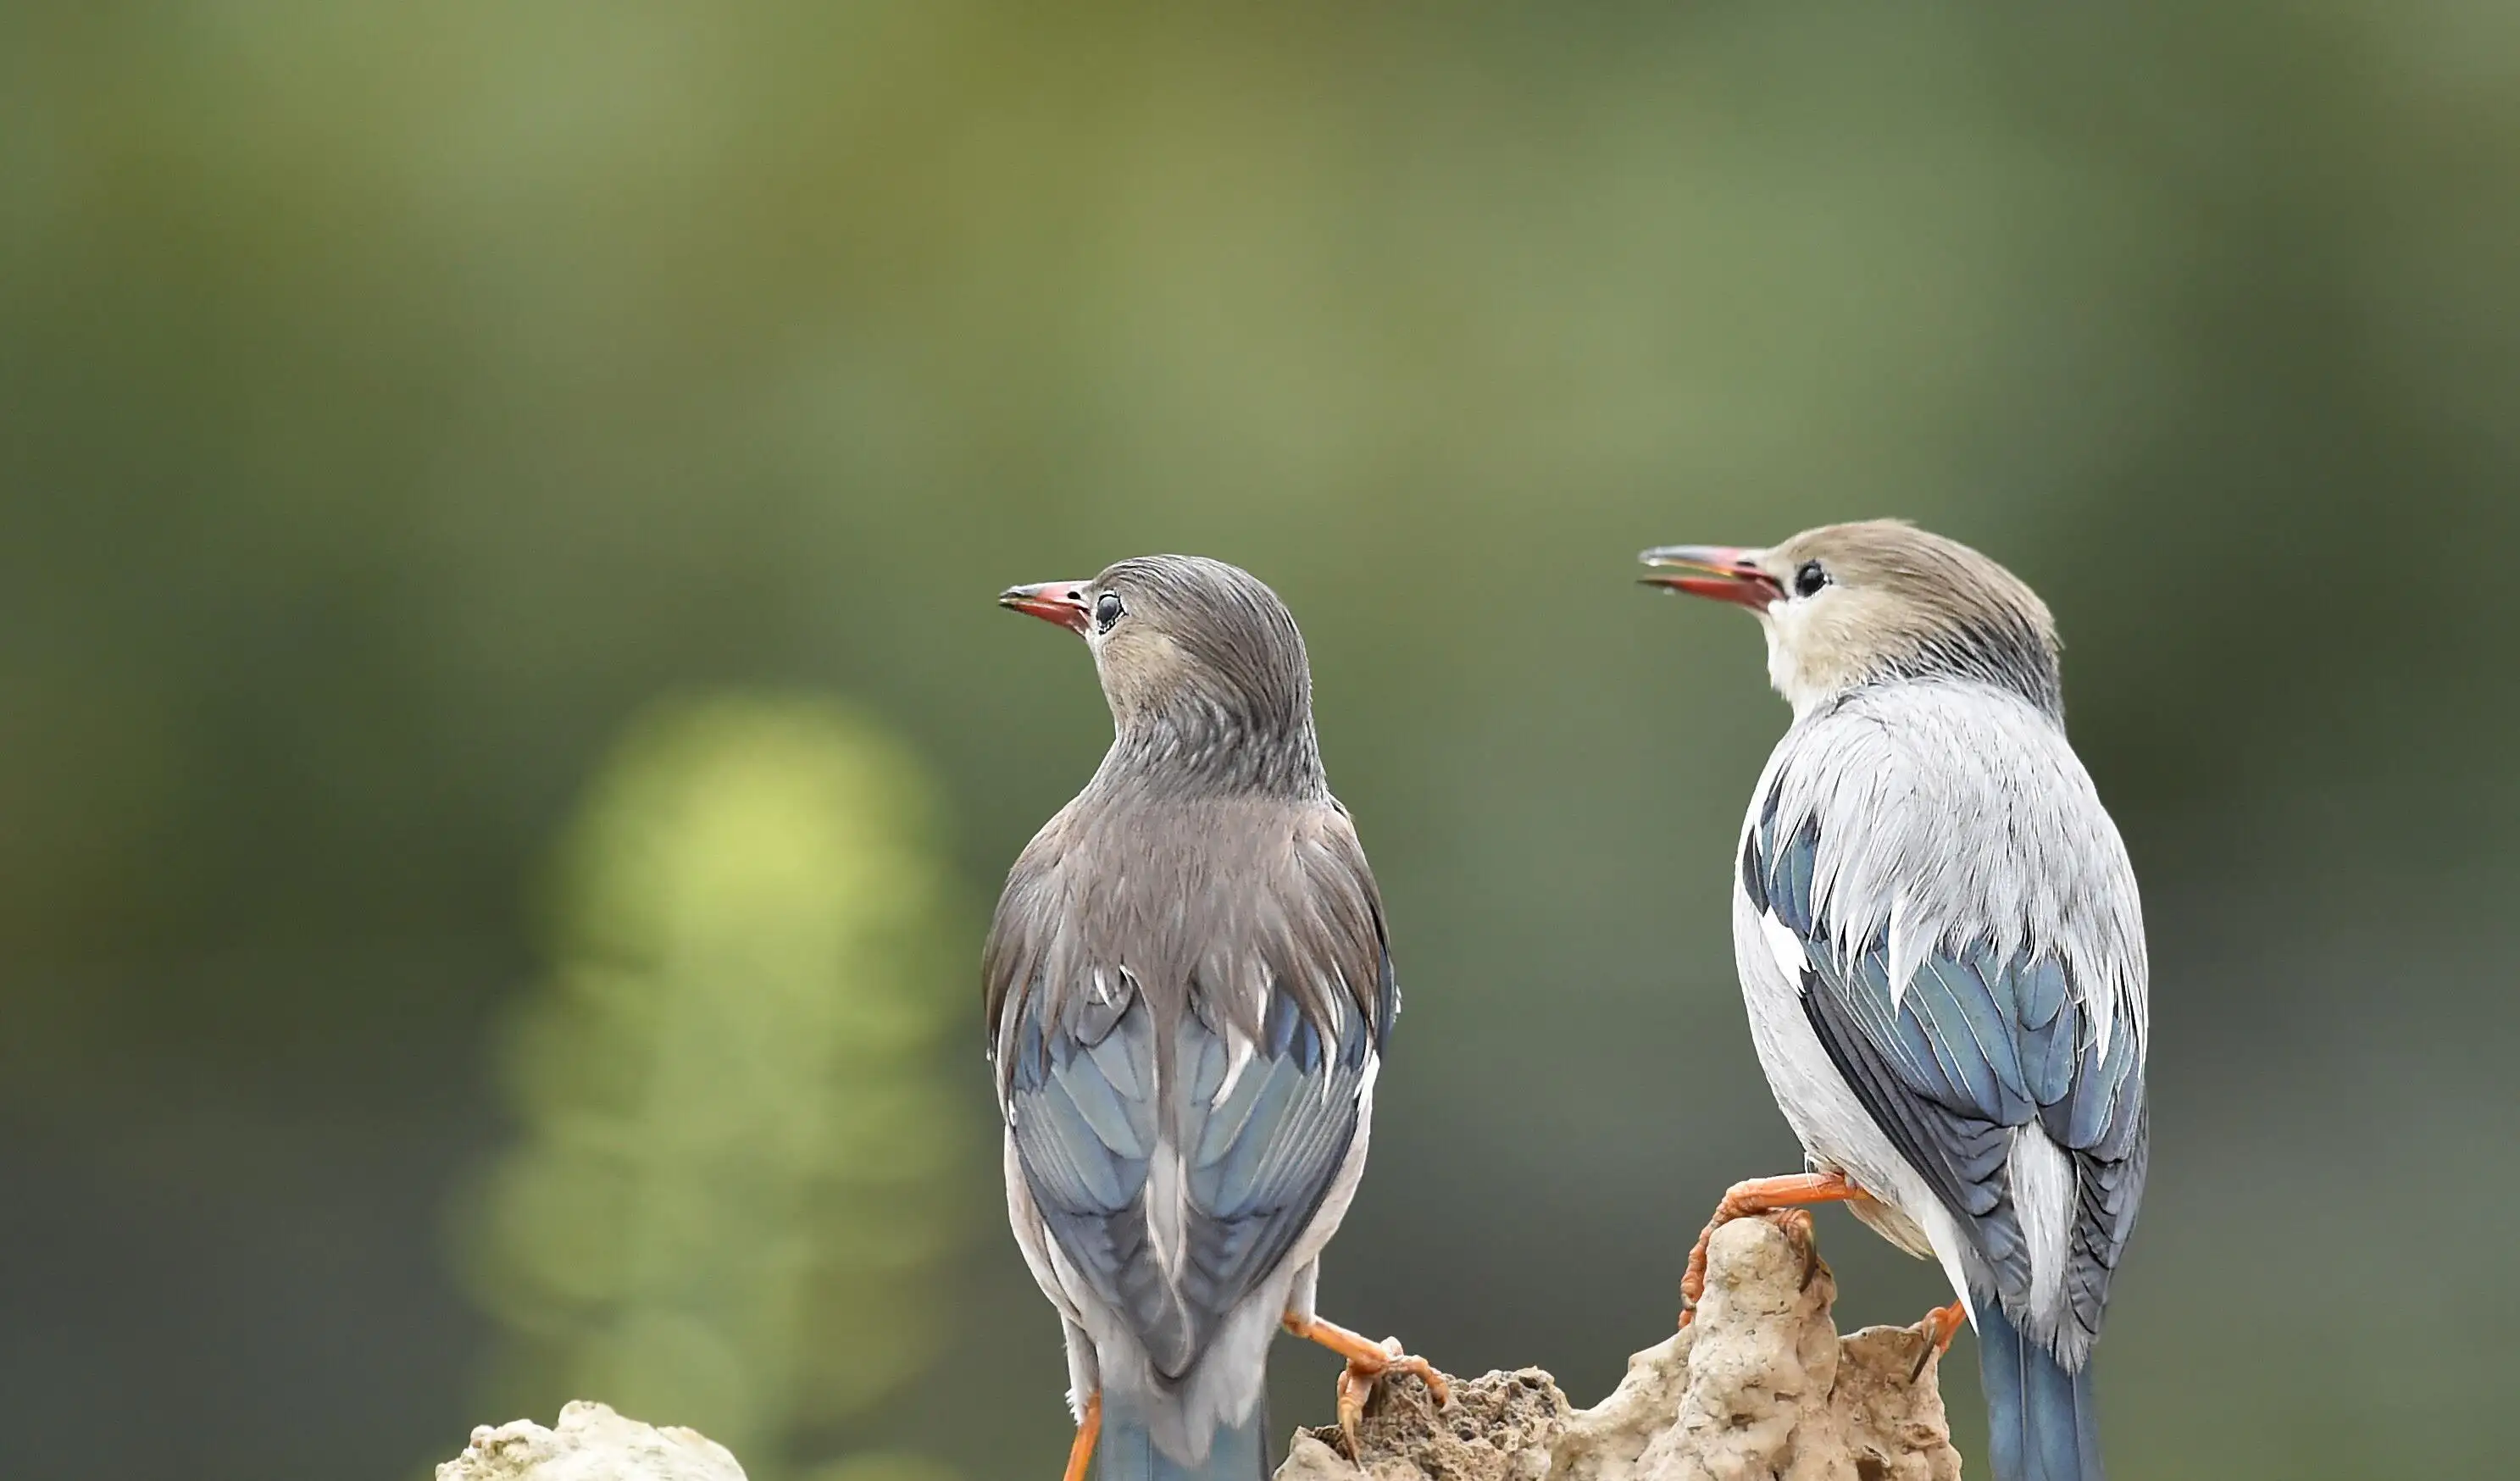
<point>1723,572</point>
<point>1059,601</point>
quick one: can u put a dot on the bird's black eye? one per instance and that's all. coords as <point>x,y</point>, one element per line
<point>1106,610</point>
<point>1810,579</point>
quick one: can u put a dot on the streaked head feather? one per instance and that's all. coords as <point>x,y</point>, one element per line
<point>1207,679</point>
<point>1899,601</point>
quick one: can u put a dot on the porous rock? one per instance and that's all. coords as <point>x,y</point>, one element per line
<point>1758,1387</point>
<point>591,1443</point>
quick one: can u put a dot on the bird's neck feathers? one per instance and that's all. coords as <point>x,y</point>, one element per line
<point>1229,721</point>
<point>1814,658</point>
<point>1199,744</point>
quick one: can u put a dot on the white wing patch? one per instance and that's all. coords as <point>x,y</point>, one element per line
<point>2100,1000</point>
<point>2043,1191</point>
<point>1338,1005</point>
<point>1906,950</point>
<point>1785,947</point>
<point>1238,1050</point>
<point>1168,1212</point>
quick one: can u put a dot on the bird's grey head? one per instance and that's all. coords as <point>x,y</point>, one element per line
<point>1203,666</point>
<point>1849,605</point>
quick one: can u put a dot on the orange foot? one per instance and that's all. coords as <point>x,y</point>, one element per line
<point>1759,1195</point>
<point>1080,1455</point>
<point>1939,1326</point>
<point>1367,1362</point>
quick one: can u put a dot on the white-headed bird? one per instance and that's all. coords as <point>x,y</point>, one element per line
<point>1188,989</point>
<point>1942,951</point>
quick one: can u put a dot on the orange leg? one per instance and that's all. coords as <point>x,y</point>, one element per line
<point>1940,1325</point>
<point>1759,1195</point>
<point>1367,1362</point>
<point>1080,1455</point>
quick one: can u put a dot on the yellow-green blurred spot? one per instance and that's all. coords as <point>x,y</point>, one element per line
<point>732,1189</point>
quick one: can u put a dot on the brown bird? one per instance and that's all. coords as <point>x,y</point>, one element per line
<point>1188,989</point>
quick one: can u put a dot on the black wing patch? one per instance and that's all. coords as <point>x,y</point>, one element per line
<point>1175,1207</point>
<point>1973,1048</point>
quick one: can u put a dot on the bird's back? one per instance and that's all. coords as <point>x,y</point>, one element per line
<point>1186,1000</point>
<point>1960,808</point>
<point>1937,919</point>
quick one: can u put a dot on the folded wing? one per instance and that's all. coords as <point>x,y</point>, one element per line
<point>1181,1108</point>
<point>1978,1043</point>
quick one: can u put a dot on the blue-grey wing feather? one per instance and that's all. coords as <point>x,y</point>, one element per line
<point>1973,1048</point>
<point>1090,1118</point>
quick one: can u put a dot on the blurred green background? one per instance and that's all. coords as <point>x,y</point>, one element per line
<point>499,508</point>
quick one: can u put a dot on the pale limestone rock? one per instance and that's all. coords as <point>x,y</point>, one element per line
<point>1758,1387</point>
<point>592,1442</point>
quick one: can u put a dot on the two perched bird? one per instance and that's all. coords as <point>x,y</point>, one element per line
<point>1190,989</point>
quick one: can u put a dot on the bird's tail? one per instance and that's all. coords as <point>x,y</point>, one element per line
<point>1127,1450</point>
<point>2041,1424</point>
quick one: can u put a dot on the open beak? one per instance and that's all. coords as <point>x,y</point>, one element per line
<point>1059,601</point>
<point>1725,572</point>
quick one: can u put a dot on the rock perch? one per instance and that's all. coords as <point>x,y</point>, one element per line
<point>1759,1387</point>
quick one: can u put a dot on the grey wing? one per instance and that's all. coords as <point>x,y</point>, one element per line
<point>1180,1140</point>
<point>1974,1047</point>
<point>1176,1195</point>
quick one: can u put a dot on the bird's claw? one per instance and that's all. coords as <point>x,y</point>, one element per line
<point>1367,1362</point>
<point>1353,1390</point>
<point>1357,1381</point>
<point>1938,1327</point>
<point>1783,1196</point>
<point>1692,1280</point>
